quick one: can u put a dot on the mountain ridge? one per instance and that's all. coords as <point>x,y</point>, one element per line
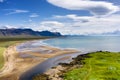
<point>26,32</point>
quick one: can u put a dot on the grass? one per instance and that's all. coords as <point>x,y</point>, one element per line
<point>3,46</point>
<point>99,66</point>
<point>19,38</point>
<point>1,57</point>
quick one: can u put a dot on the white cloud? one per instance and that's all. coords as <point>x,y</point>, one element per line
<point>16,11</point>
<point>1,1</point>
<point>51,25</point>
<point>73,17</point>
<point>97,8</point>
<point>7,26</point>
<point>82,25</point>
<point>34,15</point>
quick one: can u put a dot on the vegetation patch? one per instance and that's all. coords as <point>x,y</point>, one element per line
<point>98,66</point>
<point>1,57</point>
<point>3,46</point>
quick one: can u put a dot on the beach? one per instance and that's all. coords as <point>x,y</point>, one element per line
<point>17,63</point>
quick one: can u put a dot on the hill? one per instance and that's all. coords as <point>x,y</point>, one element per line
<point>26,32</point>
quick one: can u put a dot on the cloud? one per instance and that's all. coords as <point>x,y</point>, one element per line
<point>77,26</point>
<point>1,1</point>
<point>97,8</point>
<point>16,11</point>
<point>7,26</point>
<point>34,15</point>
<point>51,25</point>
<point>73,17</point>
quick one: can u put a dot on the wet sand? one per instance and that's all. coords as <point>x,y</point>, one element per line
<point>16,63</point>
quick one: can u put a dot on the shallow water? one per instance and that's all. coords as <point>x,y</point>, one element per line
<point>87,43</point>
<point>82,43</point>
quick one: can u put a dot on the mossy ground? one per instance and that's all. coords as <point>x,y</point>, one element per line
<point>99,66</point>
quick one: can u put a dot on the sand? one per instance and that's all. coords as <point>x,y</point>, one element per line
<point>15,65</point>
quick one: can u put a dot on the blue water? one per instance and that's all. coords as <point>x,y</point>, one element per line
<point>87,43</point>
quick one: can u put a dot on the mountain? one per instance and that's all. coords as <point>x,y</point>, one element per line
<point>26,32</point>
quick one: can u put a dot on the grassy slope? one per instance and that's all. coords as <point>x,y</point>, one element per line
<point>100,66</point>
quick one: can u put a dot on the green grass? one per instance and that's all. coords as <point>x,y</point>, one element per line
<point>100,66</point>
<point>1,57</point>
<point>19,38</point>
<point>3,46</point>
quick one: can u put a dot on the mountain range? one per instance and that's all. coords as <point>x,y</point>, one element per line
<point>26,32</point>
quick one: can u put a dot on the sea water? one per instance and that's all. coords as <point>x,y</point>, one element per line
<point>87,43</point>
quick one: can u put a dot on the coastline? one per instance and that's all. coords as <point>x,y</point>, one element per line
<point>58,72</point>
<point>16,65</point>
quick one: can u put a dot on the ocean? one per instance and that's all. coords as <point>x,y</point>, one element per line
<point>87,43</point>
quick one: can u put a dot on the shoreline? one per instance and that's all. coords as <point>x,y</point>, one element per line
<point>57,72</point>
<point>15,65</point>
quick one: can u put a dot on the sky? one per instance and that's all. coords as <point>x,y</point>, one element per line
<point>74,17</point>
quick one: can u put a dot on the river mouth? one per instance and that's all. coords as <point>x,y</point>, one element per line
<point>52,55</point>
<point>48,64</point>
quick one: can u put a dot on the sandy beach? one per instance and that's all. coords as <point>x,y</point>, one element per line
<point>15,65</point>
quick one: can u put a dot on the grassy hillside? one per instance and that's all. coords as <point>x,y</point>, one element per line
<point>98,66</point>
